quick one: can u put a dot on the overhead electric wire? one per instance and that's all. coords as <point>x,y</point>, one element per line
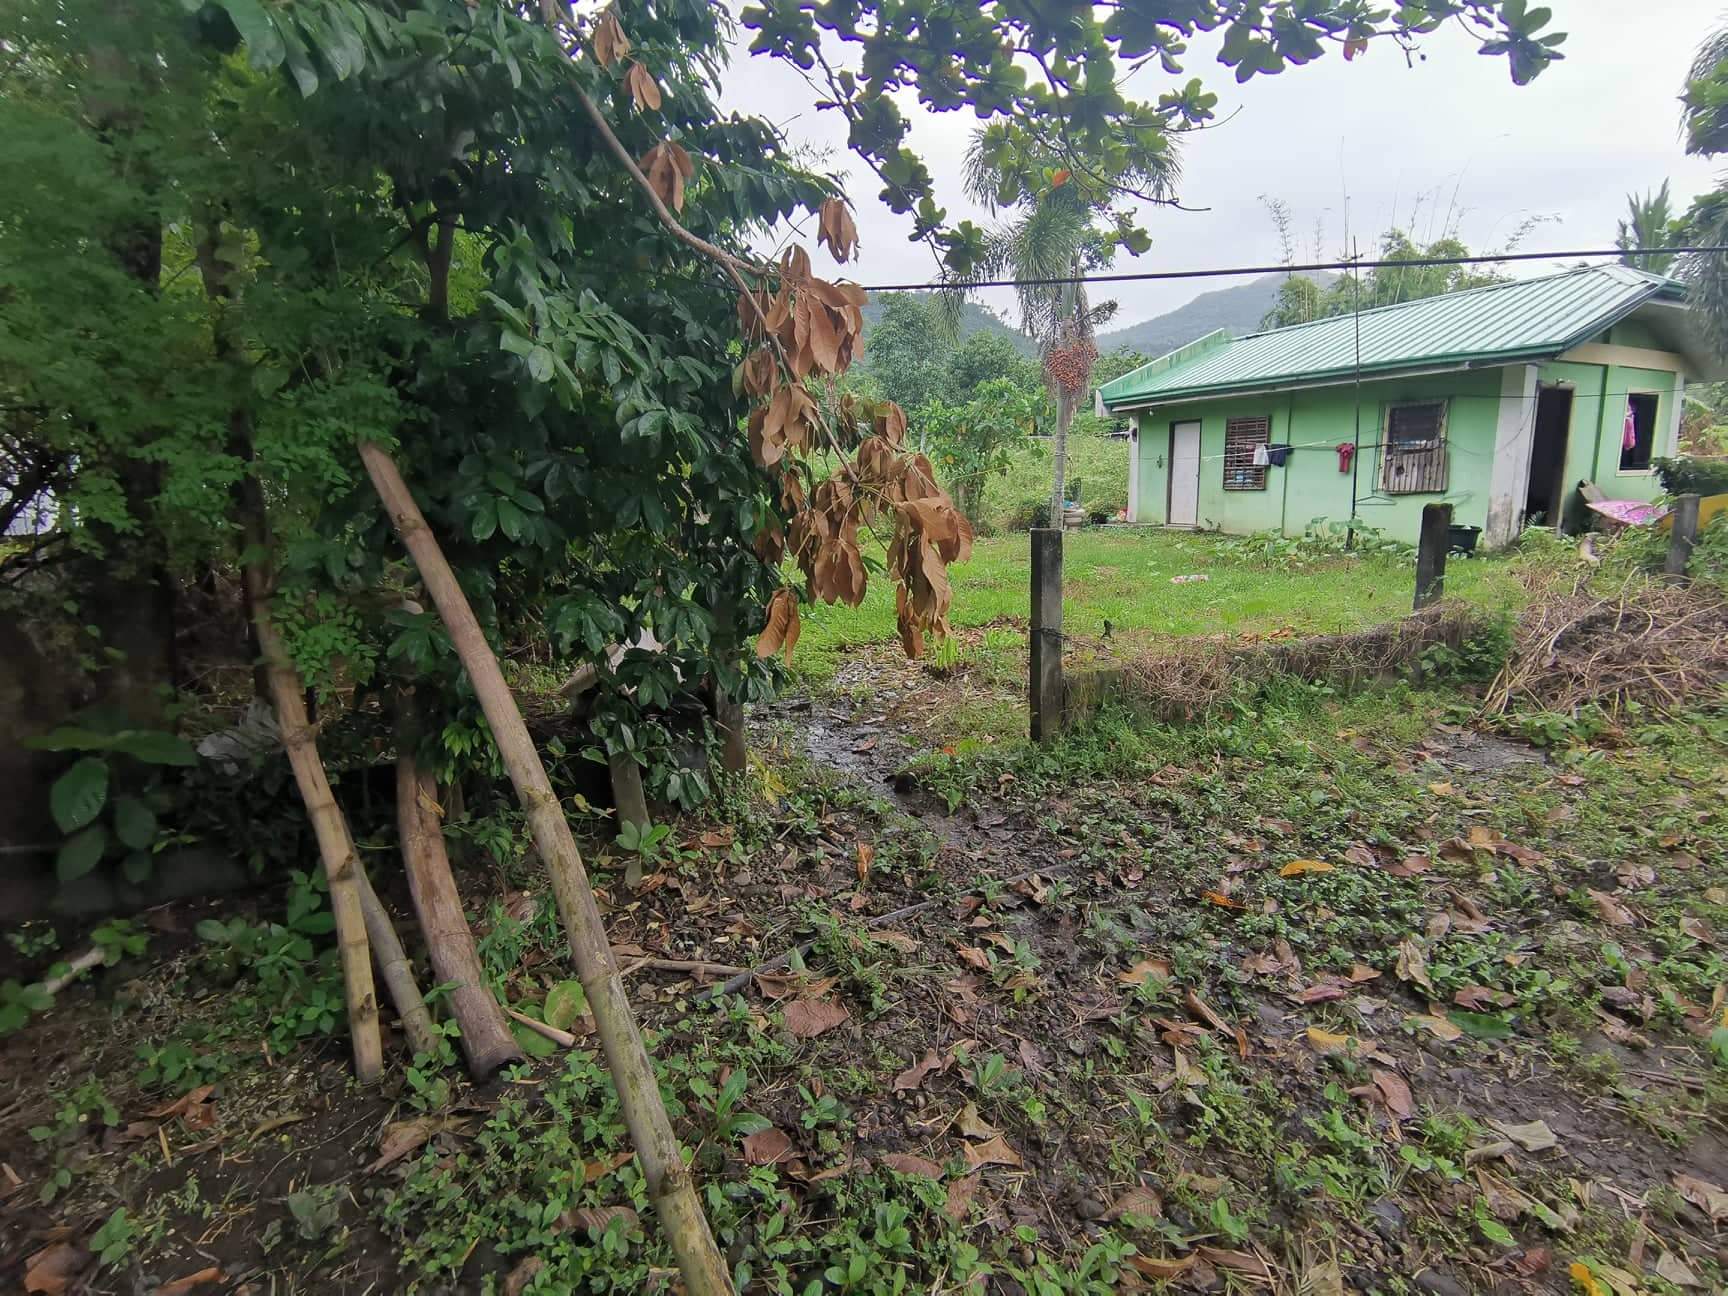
<point>1405,263</point>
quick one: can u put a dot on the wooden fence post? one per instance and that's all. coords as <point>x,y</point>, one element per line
<point>1683,537</point>
<point>1046,682</point>
<point>1431,554</point>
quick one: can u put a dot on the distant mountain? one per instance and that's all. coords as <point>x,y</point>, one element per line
<point>973,319</point>
<point>1239,309</point>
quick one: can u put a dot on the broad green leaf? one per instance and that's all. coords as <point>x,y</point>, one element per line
<point>134,823</point>
<point>155,747</point>
<point>79,854</point>
<point>71,738</point>
<point>533,1043</point>
<point>565,1004</point>
<point>263,42</point>
<point>79,794</point>
<point>136,867</point>
<point>539,364</point>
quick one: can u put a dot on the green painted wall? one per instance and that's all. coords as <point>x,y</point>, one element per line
<point>1310,487</point>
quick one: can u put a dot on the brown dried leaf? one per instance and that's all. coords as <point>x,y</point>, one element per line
<point>991,1152</point>
<point>1532,1136</point>
<point>1162,1270</point>
<point>808,1018</point>
<point>1325,1042</point>
<point>866,857</point>
<point>1138,1200</point>
<point>516,1282</point>
<point>403,1137</point>
<point>597,1218</point>
<point>1394,1093</point>
<point>667,167</point>
<point>609,43</point>
<point>1236,1261</point>
<point>53,1269</point>
<point>183,1105</point>
<point>782,630</point>
<point>960,1195</point>
<point>1435,1025</point>
<point>972,956</point>
<point>191,1282</point>
<point>972,1125</point>
<point>914,1075</point>
<point>1360,972</point>
<point>767,1147</point>
<point>1611,910</point>
<point>1412,966</point>
<point>1476,998</point>
<point>1205,1012</point>
<point>1296,868</point>
<point>835,228</point>
<point>907,1164</point>
<point>1706,1196</point>
<point>642,89</point>
<point>1143,971</point>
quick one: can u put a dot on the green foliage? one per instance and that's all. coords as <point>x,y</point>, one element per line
<point>1651,225</point>
<point>1689,475</point>
<point>113,1242</point>
<point>1301,300</point>
<point>133,759</point>
<point>973,443</point>
<point>62,1138</point>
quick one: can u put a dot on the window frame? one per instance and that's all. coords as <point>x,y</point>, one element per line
<point>1232,456</point>
<point>1649,465</point>
<point>1432,463</point>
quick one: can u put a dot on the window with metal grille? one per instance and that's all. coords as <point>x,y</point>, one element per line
<point>1413,458</point>
<point>1241,436</point>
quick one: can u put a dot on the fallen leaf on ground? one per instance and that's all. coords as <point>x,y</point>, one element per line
<point>187,1105</point>
<point>1409,866</point>
<point>974,957</point>
<point>1532,1136</point>
<point>1412,966</point>
<point>907,1164</point>
<point>901,941</point>
<point>992,1152</point>
<point>1164,1270</point>
<point>596,1217</point>
<point>1671,1268</point>
<point>53,1269</point>
<point>1031,1058</point>
<point>972,1125</point>
<point>808,1018</point>
<point>1236,1261</point>
<point>767,1147</point>
<point>1325,1042</point>
<point>1361,856</point>
<point>518,1279</point>
<point>1144,971</point>
<point>1394,1093</point>
<point>1706,1196</point>
<point>1221,900</point>
<point>1611,910</point>
<point>1138,1200</point>
<point>191,1282</point>
<point>1476,998</point>
<point>1205,1012</point>
<point>866,857</point>
<point>402,1137</point>
<point>913,1076</point>
<point>960,1195</point>
<point>1580,1274</point>
<point>1360,972</point>
<point>1296,868</point>
<point>1435,1025</point>
<point>1321,992</point>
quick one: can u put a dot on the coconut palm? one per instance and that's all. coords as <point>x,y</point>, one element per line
<point>1651,225</point>
<point>1052,235</point>
<point>1705,121</point>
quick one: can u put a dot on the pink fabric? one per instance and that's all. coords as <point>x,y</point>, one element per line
<point>1629,512</point>
<point>1629,434</point>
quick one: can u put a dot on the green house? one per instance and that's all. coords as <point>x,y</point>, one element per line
<point>1498,400</point>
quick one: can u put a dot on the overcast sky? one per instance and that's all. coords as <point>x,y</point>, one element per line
<point>1353,146</point>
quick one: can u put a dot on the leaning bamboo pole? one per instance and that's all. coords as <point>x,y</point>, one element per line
<point>669,1182</point>
<point>395,969</point>
<point>486,1039</point>
<point>331,829</point>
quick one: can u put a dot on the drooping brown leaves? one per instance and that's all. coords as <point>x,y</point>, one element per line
<point>668,168</point>
<point>643,90</point>
<point>781,632</point>
<point>835,228</point>
<point>610,43</point>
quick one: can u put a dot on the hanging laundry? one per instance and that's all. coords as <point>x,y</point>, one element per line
<point>1261,459</point>
<point>1277,454</point>
<point>1629,436</point>
<point>1346,452</point>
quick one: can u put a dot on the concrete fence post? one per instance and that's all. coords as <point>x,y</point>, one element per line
<point>1046,673</point>
<point>1431,549</point>
<point>1684,537</point>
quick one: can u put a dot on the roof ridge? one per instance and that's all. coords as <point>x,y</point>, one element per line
<point>1439,297</point>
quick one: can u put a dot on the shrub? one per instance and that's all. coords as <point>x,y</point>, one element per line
<point>1692,475</point>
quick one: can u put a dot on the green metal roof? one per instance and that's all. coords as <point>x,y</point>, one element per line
<point>1502,323</point>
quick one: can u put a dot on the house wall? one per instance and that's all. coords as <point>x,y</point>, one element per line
<point>1310,487</point>
<point>1599,393</point>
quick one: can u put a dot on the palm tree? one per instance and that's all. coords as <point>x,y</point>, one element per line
<point>1705,119</point>
<point>1049,240</point>
<point>1651,225</point>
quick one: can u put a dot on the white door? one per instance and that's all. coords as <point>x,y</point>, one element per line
<point>1184,474</point>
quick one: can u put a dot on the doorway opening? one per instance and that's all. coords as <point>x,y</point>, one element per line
<point>1546,498</point>
<point>1182,508</point>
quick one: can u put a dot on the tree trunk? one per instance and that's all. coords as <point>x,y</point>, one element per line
<point>486,1039</point>
<point>334,844</point>
<point>669,1181</point>
<point>1065,405</point>
<point>395,969</point>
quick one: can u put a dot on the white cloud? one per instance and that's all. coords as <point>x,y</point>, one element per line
<point>1570,146</point>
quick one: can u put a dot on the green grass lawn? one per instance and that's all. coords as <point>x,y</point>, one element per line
<point>1124,577</point>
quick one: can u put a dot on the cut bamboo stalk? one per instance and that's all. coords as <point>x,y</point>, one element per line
<point>563,1038</point>
<point>90,958</point>
<point>394,969</point>
<point>668,1180</point>
<point>331,829</point>
<point>486,1040</point>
